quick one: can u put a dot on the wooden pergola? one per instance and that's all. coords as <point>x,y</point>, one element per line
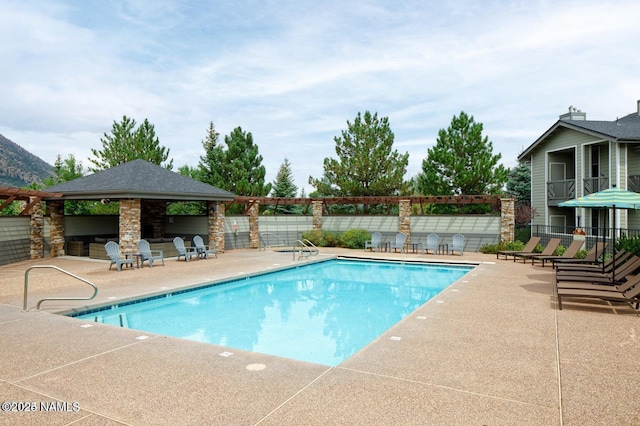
<point>31,196</point>
<point>458,200</point>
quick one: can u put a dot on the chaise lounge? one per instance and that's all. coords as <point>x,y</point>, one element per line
<point>528,248</point>
<point>550,248</point>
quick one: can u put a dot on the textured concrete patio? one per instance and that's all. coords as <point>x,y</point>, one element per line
<point>492,349</point>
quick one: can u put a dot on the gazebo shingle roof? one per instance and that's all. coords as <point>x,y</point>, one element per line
<point>139,179</point>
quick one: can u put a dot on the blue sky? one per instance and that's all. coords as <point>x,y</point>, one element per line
<point>293,72</point>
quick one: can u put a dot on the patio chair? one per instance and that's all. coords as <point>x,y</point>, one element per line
<point>149,255</point>
<point>630,282</point>
<point>458,244</point>
<point>631,296</point>
<point>618,275</point>
<point>618,259</point>
<point>431,244</point>
<point>591,258</point>
<point>374,244</point>
<point>528,248</point>
<point>569,253</point>
<point>113,251</point>
<point>187,252</point>
<point>399,243</point>
<point>551,246</point>
<point>203,250</point>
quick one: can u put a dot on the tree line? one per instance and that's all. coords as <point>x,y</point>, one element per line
<point>461,162</point>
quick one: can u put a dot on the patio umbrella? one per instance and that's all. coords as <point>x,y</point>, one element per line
<point>613,198</point>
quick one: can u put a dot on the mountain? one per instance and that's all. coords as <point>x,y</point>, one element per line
<point>19,167</point>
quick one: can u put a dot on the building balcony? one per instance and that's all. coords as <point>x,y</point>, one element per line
<point>595,184</point>
<point>561,190</point>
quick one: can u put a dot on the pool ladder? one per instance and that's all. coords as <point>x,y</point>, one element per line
<point>26,286</point>
<point>265,237</point>
<point>306,249</point>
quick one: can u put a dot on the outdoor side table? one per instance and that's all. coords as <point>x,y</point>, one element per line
<point>443,249</point>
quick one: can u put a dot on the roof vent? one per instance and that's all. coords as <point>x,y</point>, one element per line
<point>638,106</point>
<point>576,114</point>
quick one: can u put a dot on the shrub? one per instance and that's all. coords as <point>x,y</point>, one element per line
<point>315,237</point>
<point>355,238</point>
<point>630,244</point>
<point>494,248</point>
<point>332,239</point>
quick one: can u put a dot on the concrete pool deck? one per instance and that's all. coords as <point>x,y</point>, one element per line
<point>491,349</point>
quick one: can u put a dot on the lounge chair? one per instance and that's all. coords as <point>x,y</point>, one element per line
<point>374,244</point>
<point>621,272</point>
<point>591,258</point>
<point>620,257</point>
<point>528,248</point>
<point>458,244</point>
<point>149,255</point>
<point>203,250</point>
<point>631,281</point>
<point>569,253</point>
<point>551,247</point>
<point>399,243</point>
<point>113,251</point>
<point>631,296</point>
<point>187,252</point>
<point>431,244</point>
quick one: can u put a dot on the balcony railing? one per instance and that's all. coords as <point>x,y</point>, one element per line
<point>561,190</point>
<point>595,184</point>
<point>633,183</point>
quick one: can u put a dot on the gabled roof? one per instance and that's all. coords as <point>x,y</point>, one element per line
<point>625,129</point>
<point>139,179</point>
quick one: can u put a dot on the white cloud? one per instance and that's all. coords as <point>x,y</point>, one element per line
<point>293,72</point>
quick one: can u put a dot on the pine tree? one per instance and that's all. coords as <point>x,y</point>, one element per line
<point>283,186</point>
<point>367,164</point>
<point>462,162</point>
<point>127,143</point>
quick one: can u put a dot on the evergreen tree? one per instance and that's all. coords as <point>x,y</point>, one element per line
<point>237,169</point>
<point>367,164</point>
<point>127,143</point>
<point>462,162</point>
<point>283,186</point>
<point>519,183</point>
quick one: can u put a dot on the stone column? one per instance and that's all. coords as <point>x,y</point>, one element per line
<point>254,224</point>
<point>216,225</point>
<point>317,215</point>
<point>130,224</point>
<point>56,213</point>
<point>37,228</point>
<point>404,222</point>
<point>508,219</point>
<point>153,215</point>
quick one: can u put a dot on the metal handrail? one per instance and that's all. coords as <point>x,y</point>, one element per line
<point>26,286</point>
<point>281,241</point>
<point>307,248</point>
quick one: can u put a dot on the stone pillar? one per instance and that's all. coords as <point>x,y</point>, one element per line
<point>216,225</point>
<point>56,214</point>
<point>508,219</point>
<point>254,231</point>
<point>36,232</point>
<point>404,222</point>
<point>317,215</point>
<point>130,225</point>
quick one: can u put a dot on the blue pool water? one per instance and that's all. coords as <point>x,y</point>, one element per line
<point>322,312</point>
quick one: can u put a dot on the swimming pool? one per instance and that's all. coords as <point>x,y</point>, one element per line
<point>322,312</point>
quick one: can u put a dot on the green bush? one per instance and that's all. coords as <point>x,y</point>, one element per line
<point>501,246</point>
<point>630,244</point>
<point>332,239</point>
<point>315,237</point>
<point>355,238</point>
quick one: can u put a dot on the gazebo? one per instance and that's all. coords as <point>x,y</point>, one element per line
<point>143,190</point>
